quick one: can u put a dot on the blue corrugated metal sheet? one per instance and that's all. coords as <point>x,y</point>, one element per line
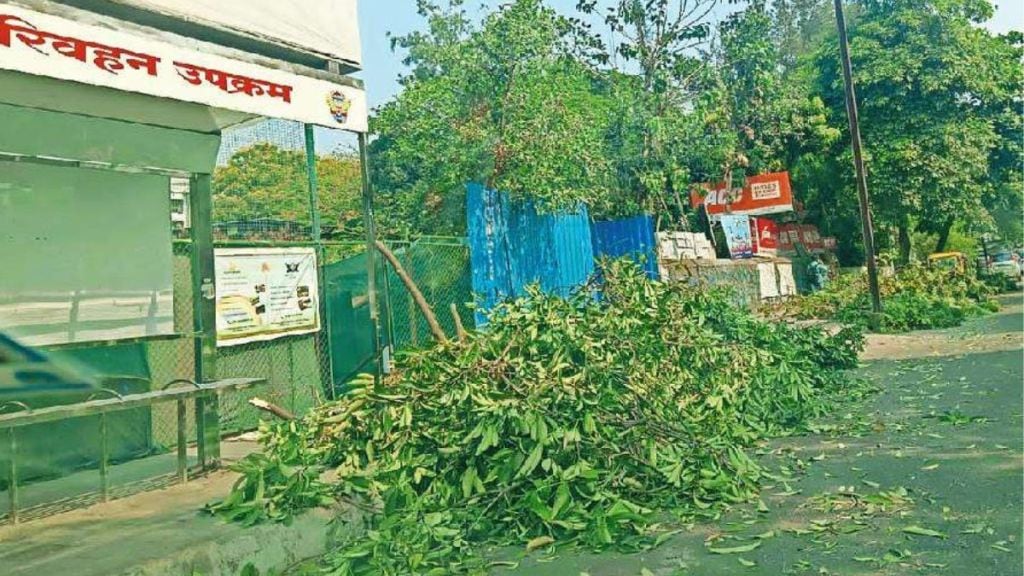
<point>633,237</point>
<point>512,246</point>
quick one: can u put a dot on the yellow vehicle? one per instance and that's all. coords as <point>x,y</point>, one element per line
<point>948,261</point>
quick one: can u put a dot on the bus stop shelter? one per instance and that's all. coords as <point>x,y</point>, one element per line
<point>112,113</point>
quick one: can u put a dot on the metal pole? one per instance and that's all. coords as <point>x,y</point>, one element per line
<point>204,319</point>
<point>104,460</point>
<point>12,476</point>
<point>182,442</point>
<point>314,188</point>
<point>324,348</point>
<point>371,250</point>
<point>867,228</point>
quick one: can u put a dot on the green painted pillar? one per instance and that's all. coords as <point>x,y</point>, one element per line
<point>204,319</point>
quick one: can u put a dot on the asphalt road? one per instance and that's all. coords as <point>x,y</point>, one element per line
<point>922,477</point>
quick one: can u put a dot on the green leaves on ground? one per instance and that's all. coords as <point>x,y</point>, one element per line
<point>736,549</point>
<point>914,298</point>
<point>919,531</point>
<point>580,421</point>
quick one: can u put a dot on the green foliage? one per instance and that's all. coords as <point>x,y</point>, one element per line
<point>959,240</point>
<point>998,282</point>
<point>502,104</point>
<point>938,96</point>
<point>663,133</point>
<point>915,298</point>
<point>277,483</point>
<point>774,116</point>
<point>264,181</point>
<point>541,105</point>
<point>569,421</point>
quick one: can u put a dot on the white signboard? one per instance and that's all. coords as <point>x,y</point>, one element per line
<point>327,27</point>
<point>265,293</point>
<point>46,45</point>
<point>765,191</point>
<point>768,281</point>
<point>787,284</point>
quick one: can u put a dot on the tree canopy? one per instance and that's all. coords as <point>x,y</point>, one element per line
<point>626,105</point>
<point>935,92</point>
<point>265,181</point>
<point>503,104</point>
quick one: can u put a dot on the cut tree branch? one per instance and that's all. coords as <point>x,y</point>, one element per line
<point>417,296</point>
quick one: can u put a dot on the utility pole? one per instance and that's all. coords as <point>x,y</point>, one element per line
<point>867,228</point>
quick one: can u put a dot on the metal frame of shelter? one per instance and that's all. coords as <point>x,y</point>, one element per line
<point>289,62</point>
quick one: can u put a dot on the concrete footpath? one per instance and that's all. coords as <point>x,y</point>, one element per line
<point>160,533</point>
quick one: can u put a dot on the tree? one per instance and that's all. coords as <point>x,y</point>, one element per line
<point>767,105</point>
<point>660,138</point>
<point>504,104</point>
<point>931,84</point>
<point>265,181</point>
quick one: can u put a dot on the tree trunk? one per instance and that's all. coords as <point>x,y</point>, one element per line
<point>904,242</point>
<point>428,313</point>
<point>947,226</point>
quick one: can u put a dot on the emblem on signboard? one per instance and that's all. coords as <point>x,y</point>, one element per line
<point>339,105</point>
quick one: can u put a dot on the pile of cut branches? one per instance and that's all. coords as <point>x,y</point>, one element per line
<point>914,298</point>
<point>586,420</point>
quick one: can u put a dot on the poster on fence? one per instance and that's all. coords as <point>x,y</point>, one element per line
<point>737,236</point>
<point>265,293</point>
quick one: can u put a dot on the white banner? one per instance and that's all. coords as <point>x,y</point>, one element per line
<point>265,293</point>
<point>46,45</point>
<point>328,27</point>
<point>768,281</point>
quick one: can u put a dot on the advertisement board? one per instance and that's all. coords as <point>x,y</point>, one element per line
<point>766,236</point>
<point>265,293</point>
<point>46,45</point>
<point>762,194</point>
<point>737,236</point>
<point>810,238</point>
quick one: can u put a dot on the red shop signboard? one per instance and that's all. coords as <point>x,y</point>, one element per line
<point>762,194</point>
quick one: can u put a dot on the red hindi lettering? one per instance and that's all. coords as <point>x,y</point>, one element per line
<point>70,47</point>
<point>189,73</point>
<point>247,86</point>
<point>28,34</point>
<point>107,59</point>
<point>281,91</point>
<point>138,61</point>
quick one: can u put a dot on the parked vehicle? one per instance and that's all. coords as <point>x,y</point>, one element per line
<point>948,261</point>
<point>1005,263</point>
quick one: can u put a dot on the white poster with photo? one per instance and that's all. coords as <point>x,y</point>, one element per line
<point>265,293</point>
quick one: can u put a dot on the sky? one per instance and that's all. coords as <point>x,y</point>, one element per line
<point>381,66</point>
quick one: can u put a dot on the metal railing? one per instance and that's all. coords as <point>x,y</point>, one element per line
<point>204,396</point>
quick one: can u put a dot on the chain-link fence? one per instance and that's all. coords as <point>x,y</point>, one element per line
<point>440,269</point>
<point>260,200</point>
